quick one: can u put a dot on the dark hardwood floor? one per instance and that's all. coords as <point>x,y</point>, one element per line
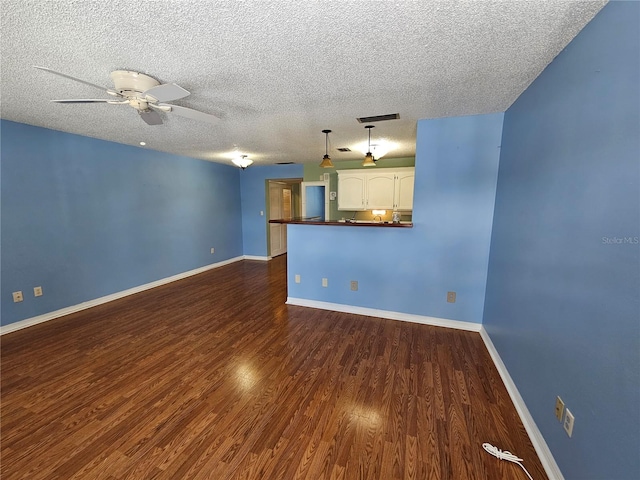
<point>215,377</point>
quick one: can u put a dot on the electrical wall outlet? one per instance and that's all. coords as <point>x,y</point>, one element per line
<point>37,291</point>
<point>451,297</point>
<point>325,282</point>
<point>568,422</point>
<point>17,297</point>
<point>262,213</point>
<point>559,408</point>
<point>354,285</point>
<point>213,250</point>
<point>297,278</point>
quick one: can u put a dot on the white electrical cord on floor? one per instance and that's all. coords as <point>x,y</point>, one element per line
<point>510,457</point>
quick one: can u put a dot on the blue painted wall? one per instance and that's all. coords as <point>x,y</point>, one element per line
<point>84,218</point>
<point>252,185</point>
<point>315,201</point>
<point>562,304</point>
<point>411,270</point>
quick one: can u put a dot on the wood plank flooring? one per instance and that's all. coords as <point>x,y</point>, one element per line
<point>215,377</point>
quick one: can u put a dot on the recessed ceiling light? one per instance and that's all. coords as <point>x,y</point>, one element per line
<point>143,143</point>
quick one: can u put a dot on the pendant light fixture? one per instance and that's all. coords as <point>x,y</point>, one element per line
<point>242,162</point>
<point>368,159</point>
<point>326,160</point>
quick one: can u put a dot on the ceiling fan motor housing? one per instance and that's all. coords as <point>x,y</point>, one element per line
<point>132,84</point>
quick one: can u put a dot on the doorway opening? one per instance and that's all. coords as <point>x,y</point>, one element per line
<point>283,202</point>
<point>315,200</point>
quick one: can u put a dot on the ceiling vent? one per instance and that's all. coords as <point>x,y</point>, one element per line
<point>284,163</point>
<point>343,149</point>
<point>379,118</point>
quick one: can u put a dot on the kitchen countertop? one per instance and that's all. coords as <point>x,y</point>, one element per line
<point>346,223</point>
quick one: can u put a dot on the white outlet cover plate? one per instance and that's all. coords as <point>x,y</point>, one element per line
<point>568,422</point>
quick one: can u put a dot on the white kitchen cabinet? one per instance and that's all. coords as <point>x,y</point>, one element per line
<point>351,191</point>
<point>380,189</point>
<point>403,190</point>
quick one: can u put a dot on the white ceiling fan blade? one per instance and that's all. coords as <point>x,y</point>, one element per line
<point>104,89</point>
<point>191,113</point>
<point>167,92</point>
<point>84,100</point>
<point>151,117</point>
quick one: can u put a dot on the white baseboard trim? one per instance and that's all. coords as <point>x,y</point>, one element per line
<point>256,257</point>
<point>28,322</point>
<point>538,441</point>
<point>373,312</point>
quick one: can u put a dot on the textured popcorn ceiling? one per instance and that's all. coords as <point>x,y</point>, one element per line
<point>279,72</point>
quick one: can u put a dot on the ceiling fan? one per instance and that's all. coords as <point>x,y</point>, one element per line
<point>142,92</point>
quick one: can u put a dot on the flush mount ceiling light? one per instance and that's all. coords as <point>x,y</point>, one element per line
<point>326,160</point>
<point>242,162</point>
<point>143,143</point>
<point>368,159</point>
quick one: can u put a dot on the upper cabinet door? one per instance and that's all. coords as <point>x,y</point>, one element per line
<point>403,197</point>
<point>351,191</point>
<point>380,187</point>
<point>372,189</point>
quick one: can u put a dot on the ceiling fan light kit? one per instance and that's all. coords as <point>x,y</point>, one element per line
<point>143,93</point>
